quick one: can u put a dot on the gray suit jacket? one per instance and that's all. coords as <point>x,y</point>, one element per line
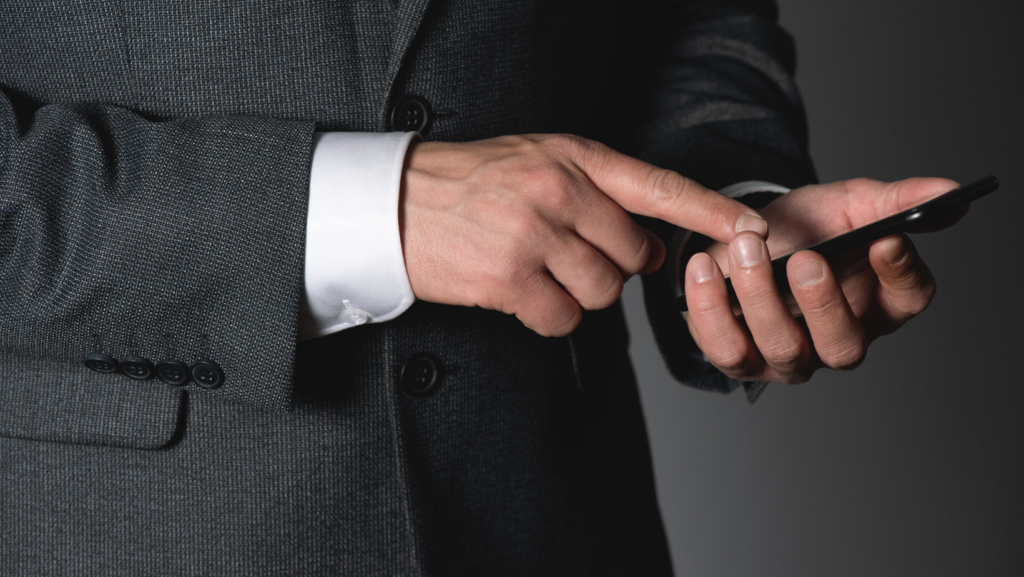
<point>154,164</point>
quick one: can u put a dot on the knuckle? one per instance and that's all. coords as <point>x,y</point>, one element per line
<point>498,284</point>
<point>601,284</point>
<point>731,357</point>
<point>917,293</point>
<point>510,270</point>
<point>609,291</point>
<point>563,322</point>
<point>569,324</point>
<point>855,186</point>
<point>758,296</point>
<point>552,185</point>
<point>563,193</point>
<point>572,145</point>
<point>845,354</point>
<point>784,355</point>
<point>821,306</point>
<point>858,187</point>
<point>732,363</point>
<point>702,302</point>
<point>522,222</point>
<point>530,283</point>
<point>635,246</point>
<point>666,187</point>
<point>540,178</point>
<point>571,140</point>
<point>918,303</point>
<point>641,254</point>
<point>524,144</point>
<point>860,183</point>
<point>520,225</point>
<point>892,201</point>
<point>565,146</point>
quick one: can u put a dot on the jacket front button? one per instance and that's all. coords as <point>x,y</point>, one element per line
<point>101,363</point>
<point>207,374</point>
<point>422,373</point>
<point>172,372</point>
<point>411,114</point>
<point>137,368</point>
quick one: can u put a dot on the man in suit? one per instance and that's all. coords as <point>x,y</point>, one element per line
<point>186,186</point>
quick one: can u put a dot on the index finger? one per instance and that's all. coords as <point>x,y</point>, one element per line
<point>643,188</point>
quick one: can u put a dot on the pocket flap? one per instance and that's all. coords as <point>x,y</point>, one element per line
<point>68,403</point>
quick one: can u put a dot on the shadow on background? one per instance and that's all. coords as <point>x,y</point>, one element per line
<point>911,464</point>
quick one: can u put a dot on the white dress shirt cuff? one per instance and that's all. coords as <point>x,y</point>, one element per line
<point>355,269</point>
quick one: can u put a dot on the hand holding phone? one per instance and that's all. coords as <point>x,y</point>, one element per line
<point>837,247</point>
<point>835,308</point>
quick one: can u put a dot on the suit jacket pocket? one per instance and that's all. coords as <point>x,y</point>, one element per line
<point>68,403</point>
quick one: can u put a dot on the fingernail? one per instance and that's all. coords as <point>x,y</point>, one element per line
<point>809,272</point>
<point>895,252</point>
<point>701,268</point>
<point>751,223</point>
<point>747,250</point>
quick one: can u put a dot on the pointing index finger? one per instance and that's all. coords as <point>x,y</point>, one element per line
<point>646,189</point>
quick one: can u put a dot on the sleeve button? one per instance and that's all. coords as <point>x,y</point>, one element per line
<point>172,372</point>
<point>101,363</point>
<point>207,374</point>
<point>137,368</point>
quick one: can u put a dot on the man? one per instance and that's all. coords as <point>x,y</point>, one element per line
<point>184,185</point>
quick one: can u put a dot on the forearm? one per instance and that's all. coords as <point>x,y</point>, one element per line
<point>182,238</point>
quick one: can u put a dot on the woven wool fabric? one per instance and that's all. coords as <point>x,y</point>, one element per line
<point>154,165</point>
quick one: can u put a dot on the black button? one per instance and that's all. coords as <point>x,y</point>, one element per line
<point>172,372</point>
<point>411,113</point>
<point>101,363</point>
<point>422,373</point>
<point>137,368</point>
<point>207,374</point>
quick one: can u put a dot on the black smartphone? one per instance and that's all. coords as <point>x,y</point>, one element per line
<point>916,216</point>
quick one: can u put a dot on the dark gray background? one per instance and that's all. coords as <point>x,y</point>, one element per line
<point>911,464</point>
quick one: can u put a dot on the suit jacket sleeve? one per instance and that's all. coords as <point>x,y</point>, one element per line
<point>725,109</point>
<point>178,239</point>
